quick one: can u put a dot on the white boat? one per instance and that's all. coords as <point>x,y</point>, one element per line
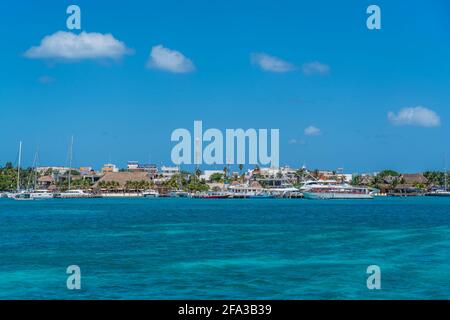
<point>438,193</point>
<point>307,185</point>
<point>285,190</point>
<point>41,194</point>
<point>32,195</point>
<point>19,194</point>
<point>22,196</point>
<point>338,191</point>
<point>441,192</point>
<point>243,191</point>
<point>179,194</point>
<point>150,194</point>
<point>69,194</point>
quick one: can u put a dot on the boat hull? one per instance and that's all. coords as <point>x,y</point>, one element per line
<point>335,195</point>
<point>215,197</point>
<point>150,195</point>
<point>438,194</point>
<point>72,195</point>
<point>41,196</point>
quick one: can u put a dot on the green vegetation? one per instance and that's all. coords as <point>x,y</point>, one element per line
<point>138,185</point>
<point>356,180</point>
<point>388,173</point>
<point>435,177</point>
<point>8,178</point>
<point>217,177</point>
<point>109,185</point>
<point>186,182</point>
<point>386,178</point>
<point>83,184</point>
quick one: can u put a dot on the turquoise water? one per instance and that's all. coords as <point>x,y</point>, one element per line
<point>225,249</point>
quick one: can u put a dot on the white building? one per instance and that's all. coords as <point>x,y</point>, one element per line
<point>168,172</point>
<point>273,172</point>
<point>109,167</point>
<point>55,169</point>
<point>133,165</point>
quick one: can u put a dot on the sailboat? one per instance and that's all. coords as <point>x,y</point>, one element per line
<point>441,192</point>
<point>20,194</point>
<point>76,193</point>
<point>36,193</point>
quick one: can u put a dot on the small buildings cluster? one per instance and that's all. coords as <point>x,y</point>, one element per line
<point>141,176</point>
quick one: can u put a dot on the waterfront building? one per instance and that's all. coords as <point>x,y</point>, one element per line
<point>168,172</point>
<point>123,181</point>
<point>45,182</point>
<point>135,166</point>
<point>109,167</point>
<point>86,170</point>
<point>132,165</point>
<point>414,178</point>
<point>151,169</point>
<point>54,169</point>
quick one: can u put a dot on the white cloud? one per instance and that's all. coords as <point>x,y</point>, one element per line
<point>70,46</point>
<point>270,63</point>
<point>418,116</point>
<point>312,131</point>
<point>315,67</point>
<point>169,60</point>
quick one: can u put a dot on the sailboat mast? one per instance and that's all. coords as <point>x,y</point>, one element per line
<point>18,166</point>
<point>35,164</point>
<point>70,159</point>
<point>445,173</point>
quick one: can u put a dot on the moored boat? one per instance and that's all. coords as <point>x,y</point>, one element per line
<point>339,191</point>
<point>70,194</point>
<point>150,194</point>
<point>438,193</point>
<point>178,194</point>
<point>213,195</point>
<point>22,196</point>
<point>262,195</point>
<point>441,192</point>
<point>41,194</point>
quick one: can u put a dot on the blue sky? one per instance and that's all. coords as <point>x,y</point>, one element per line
<point>122,109</point>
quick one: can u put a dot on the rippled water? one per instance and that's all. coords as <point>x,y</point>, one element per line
<point>225,249</point>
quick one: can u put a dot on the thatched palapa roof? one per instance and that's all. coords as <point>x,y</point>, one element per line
<point>123,177</point>
<point>48,179</point>
<point>414,178</point>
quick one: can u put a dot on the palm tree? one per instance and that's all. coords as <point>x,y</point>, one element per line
<point>299,174</point>
<point>356,180</point>
<point>129,185</point>
<point>316,173</point>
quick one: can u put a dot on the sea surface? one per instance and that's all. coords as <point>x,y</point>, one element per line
<point>225,249</point>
